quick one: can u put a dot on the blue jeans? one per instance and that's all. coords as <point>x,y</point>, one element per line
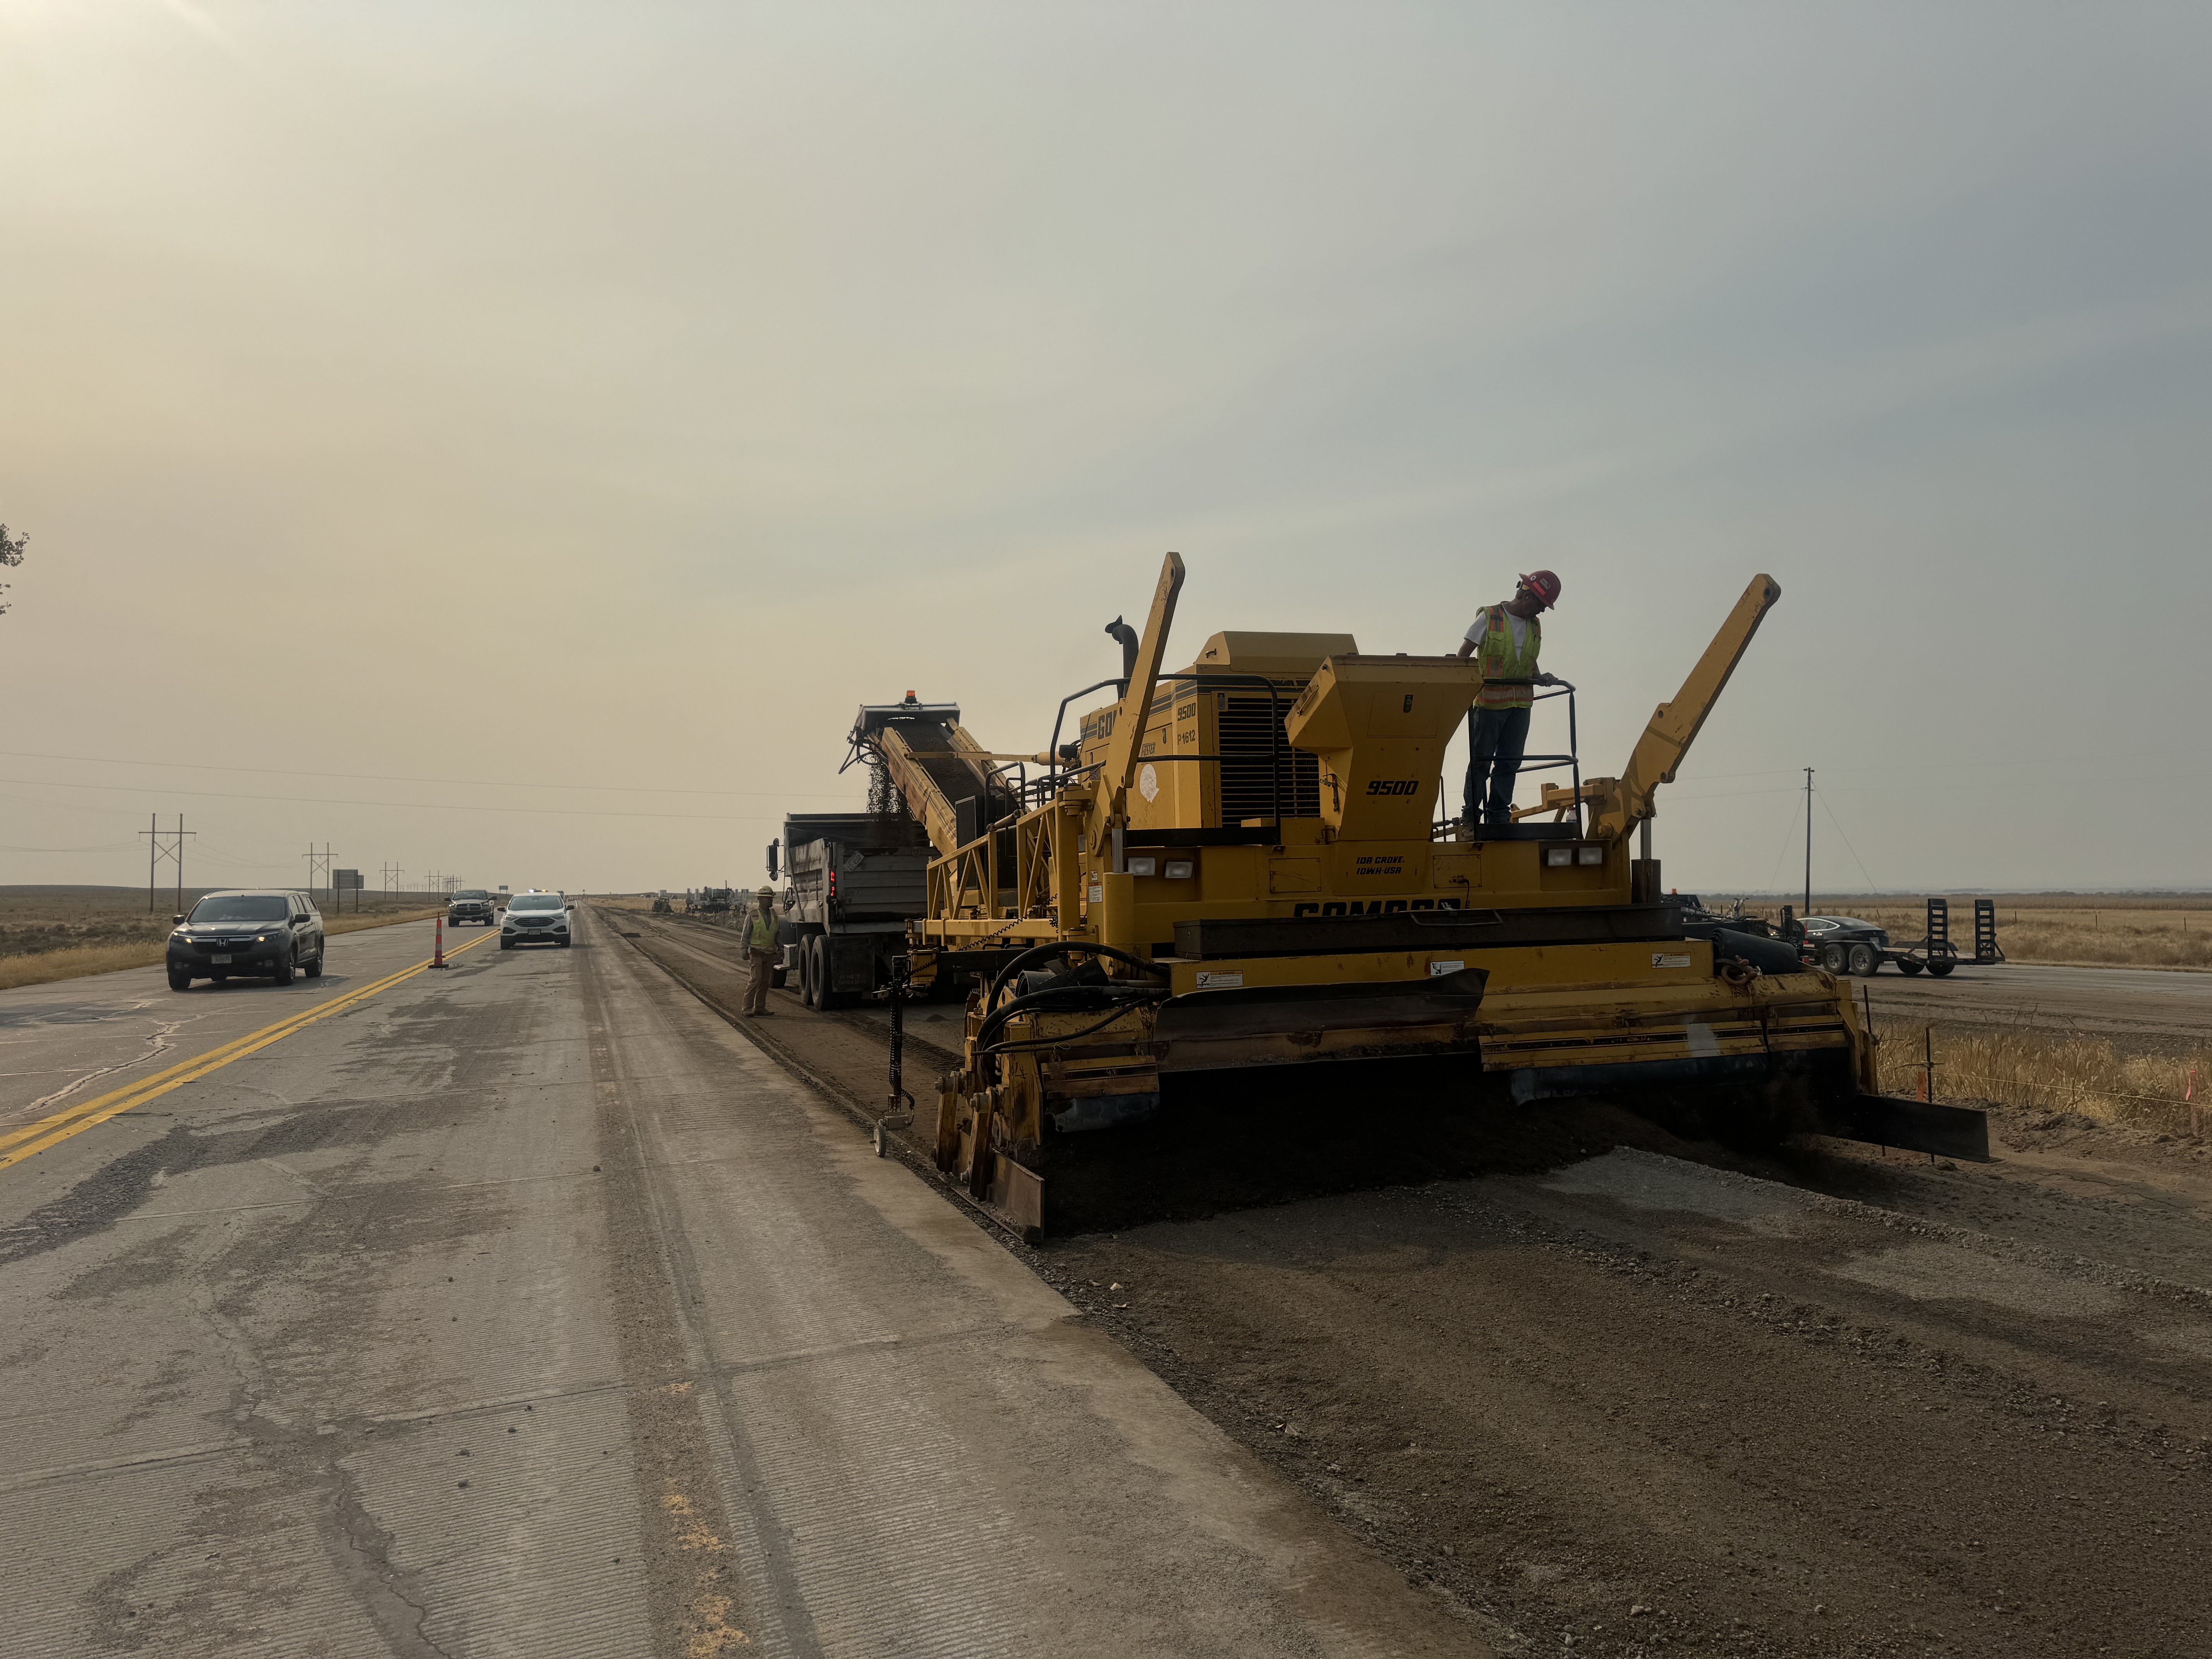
<point>1497,737</point>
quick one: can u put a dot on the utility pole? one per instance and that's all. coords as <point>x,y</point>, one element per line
<point>315,859</point>
<point>155,851</point>
<point>1809,841</point>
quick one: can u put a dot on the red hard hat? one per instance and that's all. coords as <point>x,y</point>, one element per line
<point>1544,585</point>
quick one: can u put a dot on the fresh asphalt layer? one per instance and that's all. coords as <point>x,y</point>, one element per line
<point>526,1308</point>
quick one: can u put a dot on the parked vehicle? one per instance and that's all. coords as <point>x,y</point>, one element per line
<point>855,877</point>
<point>471,904</point>
<point>535,919</point>
<point>268,932</point>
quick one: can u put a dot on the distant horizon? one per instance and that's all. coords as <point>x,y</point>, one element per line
<point>643,892</point>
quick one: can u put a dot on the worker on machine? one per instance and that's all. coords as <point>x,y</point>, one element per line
<point>760,952</point>
<point>1504,640</point>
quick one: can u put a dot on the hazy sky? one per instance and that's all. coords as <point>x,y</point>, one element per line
<point>512,439</point>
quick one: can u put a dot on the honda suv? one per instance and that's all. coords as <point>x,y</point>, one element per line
<point>265,931</point>
<point>471,904</point>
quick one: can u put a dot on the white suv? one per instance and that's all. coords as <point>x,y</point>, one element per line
<point>534,919</point>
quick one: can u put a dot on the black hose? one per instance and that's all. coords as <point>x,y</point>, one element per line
<point>1067,1036</point>
<point>1060,948</point>
<point>1050,999</point>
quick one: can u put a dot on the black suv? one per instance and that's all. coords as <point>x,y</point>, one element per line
<point>251,930</point>
<point>471,904</point>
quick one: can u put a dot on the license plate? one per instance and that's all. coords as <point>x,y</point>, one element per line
<point>218,958</point>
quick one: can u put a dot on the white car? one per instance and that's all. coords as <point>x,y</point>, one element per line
<point>534,919</point>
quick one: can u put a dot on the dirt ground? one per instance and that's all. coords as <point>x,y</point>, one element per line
<point>1614,1393</point>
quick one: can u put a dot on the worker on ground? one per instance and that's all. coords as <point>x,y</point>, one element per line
<point>760,950</point>
<point>1504,640</point>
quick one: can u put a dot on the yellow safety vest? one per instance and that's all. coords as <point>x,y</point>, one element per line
<point>1498,660</point>
<point>760,934</point>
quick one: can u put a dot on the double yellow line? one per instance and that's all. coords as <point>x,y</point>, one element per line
<point>16,1145</point>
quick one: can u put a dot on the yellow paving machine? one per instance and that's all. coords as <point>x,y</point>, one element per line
<point>1237,867</point>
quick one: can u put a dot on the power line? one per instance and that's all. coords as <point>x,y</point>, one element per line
<point>103,846</point>
<point>1848,848</point>
<point>386,777</point>
<point>425,806</point>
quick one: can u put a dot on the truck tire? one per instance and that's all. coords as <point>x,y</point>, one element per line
<point>810,970</point>
<point>1866,960</point>
<point>1907,966</point>
<point>1939,969</point>
<point>1833,958</point>
<point>826,994</point>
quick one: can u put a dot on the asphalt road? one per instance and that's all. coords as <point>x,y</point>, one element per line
<point>2138,1009</point>
<point>527,1309</point>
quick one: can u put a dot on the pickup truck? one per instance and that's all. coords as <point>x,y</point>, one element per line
<point>471,904</point>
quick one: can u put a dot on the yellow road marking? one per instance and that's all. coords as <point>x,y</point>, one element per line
<point>17,1144</point>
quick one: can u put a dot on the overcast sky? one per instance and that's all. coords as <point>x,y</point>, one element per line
<point>512,439</point>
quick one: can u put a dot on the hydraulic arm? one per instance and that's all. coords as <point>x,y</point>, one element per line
<point>1675,725</point>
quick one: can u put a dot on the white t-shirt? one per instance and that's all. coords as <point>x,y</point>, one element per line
<point>1480,626</point>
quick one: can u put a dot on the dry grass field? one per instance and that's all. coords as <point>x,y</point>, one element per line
<point>2131,930</point>
<point>2025,1067</point>
<point>49,933</point>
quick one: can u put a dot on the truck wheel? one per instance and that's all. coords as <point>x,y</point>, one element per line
<point>1939,969</point>
<point>810,967</point>
<point>1832,958</point>
<point>179,981</point>
<point>1865,962</point>
<point>1907,966</point>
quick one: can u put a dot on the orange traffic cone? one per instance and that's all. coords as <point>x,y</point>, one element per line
<point>439,960</point>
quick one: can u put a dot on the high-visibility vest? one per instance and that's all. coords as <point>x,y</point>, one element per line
<point>1499,661</point>
<point>760,934</point>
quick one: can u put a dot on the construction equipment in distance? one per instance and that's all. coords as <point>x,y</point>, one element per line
<point>1236,865</point>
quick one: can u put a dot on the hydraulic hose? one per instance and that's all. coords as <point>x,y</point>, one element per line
<point>1060,948</point>
<point>1068,1037</point>
<point>1066,999</point>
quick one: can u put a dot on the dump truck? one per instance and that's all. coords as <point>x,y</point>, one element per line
<point>853,881</point>
<point>1237,865</point>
